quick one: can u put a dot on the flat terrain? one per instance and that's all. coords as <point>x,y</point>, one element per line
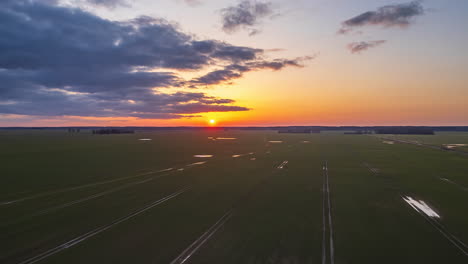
<point>450,140</point>
<point>231,197</point>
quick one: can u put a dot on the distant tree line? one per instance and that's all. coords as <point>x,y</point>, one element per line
<point>299,130</point>
<point>73,130</point>
<point>359,132</point>
<point>406,130</point>
<point>108,131</point>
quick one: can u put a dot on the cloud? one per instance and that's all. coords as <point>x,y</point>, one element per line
<point>245,15</point>
<point>358,47</point>
<point>235,71</point>
<point>193,2</point>
<point>108,3</point>
<point>398,15</point>
<point>62,61</point>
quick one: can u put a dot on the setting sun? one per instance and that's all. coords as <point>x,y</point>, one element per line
<point>212,121</point>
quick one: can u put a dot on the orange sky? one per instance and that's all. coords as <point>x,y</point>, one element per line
<point>419,76</point>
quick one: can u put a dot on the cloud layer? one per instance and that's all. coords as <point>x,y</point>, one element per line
<point>358,47</point>
<point>58,61</point>
<point>108,3</point>
<point>247,14</point>
<point>235,71</point>
<point>193,2</point>
<point>398,15</point>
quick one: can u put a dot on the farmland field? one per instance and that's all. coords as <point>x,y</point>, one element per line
<point>217,196</point>
<point>453,140</point>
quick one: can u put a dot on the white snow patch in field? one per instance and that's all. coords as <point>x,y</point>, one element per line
<point>145,139</point>
<point>275,141</point>
<point>203,156</point>
<point>421,206</point>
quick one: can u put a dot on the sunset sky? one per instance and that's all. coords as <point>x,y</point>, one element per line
<point>240,63</point>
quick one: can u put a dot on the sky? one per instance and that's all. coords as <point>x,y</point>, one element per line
<point>239,62</point>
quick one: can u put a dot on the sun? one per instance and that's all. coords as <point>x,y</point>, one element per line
<point>212,122</point>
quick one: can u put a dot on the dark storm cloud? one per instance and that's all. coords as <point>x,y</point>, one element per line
<point>398,15</point>
<point>246,14</point>
<point>235,71</point>
<point>358,47</point>
<point>58,61</point>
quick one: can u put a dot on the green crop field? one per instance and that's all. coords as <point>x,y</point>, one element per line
<point>458,140</point>
<point>249,197</point>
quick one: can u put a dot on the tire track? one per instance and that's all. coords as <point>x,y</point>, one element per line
<point>324,220</point>
<point>44,194</point>
<point>83,237</point>
<point>81,200</point>
<point>461,187</point>
<point>98,195</point>
<point>327,212</point>
<point>441,229</point>
<point>94,196</point>
<point>425,145</point>
<point>282,165</point>
<point>193,248</point>
<point>436,224</point>
<point>200,241</point>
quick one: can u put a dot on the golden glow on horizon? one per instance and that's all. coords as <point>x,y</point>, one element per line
<point>295,97</point>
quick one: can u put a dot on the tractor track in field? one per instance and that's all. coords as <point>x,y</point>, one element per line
<point>460,245</point>
<point>327,215</point>
<point>434,222</point>
<point>324,228</point>
<point>461,187</point>
<point>426,145</point>
<point>44,194</point>
<point>201,240</point>
<point>84,199</point>
<point>98,195</point>
<point>99,230</point>
<point>282,165</point>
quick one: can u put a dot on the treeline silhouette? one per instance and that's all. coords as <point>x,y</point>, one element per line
<point>112,131</point>
<point>359,132</point>
<point>405,130</point>
<point>73,130</point>
<point>299,130</point>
